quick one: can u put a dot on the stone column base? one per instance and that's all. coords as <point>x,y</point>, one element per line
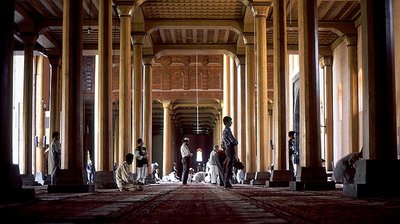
<point>17,195</point>
<point>105,180</point>
<point>375,178</point>
<point>11,187</point>
<point>71,181</point>
<point>279,178</point>
<point>311,178</point>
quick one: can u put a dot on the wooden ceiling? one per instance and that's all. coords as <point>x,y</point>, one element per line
<point>177,27</point>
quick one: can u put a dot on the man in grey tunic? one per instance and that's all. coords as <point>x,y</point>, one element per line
<point>55,157</point>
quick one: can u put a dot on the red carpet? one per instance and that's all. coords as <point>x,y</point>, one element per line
<point>202,203</point>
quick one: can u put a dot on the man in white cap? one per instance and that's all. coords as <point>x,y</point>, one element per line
<point>186,154</point>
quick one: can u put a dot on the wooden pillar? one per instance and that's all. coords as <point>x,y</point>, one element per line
<point>103,105</point>
<point>396,31</point>
<point>39,114</point>
<point>148,109</point>
<point>116,139</point>
<point>280,70</point>
<point>351,42</point>
<point>125,12</point>
<point>326,64</point>
<point>25,154</point>
<point>260,13</point>
<point>226,110</point>
<point>72,102</point>
<point>137,88</point>
<point>378,80</point>
<point>166,138</point>
<point>55,83</point>
<point>6,95</point>
<point>250,105</point>
<point>234,95</point>
<point>379,153</point>
<point>309,92</point>
<point>241,108</point>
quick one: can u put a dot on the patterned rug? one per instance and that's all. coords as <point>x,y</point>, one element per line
<point>202,203</point>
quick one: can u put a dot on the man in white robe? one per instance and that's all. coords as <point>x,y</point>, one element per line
<point>125,182</point>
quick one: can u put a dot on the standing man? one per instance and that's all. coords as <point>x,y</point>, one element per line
<point>292,152</point>
<point>141,161</point>
<point>228,144</point>
<point>55,157</point>
<point>213,161</point>
<point>186,154</point>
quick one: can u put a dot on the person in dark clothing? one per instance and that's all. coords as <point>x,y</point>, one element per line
<point>292,152</point>
<point>228,144</point>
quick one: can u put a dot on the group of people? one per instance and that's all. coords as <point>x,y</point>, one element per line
<point>221,165</point>
<point>221,162</point>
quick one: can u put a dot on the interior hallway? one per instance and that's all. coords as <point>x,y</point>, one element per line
<point>202,203</point>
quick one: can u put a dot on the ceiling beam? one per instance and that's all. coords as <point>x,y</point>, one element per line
<point>234,25</point>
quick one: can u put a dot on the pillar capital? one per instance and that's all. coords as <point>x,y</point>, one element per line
<point>167,104</point>
<point>138,37</point>
<point>148,59</point>
<point>351,40</point>
<point>261,8</point>
<point>29,38</point>
<point>124,7</point>
<point>248,38</point>
<point>325,61</point>
<point>54,60</point>
<point>240,59</point>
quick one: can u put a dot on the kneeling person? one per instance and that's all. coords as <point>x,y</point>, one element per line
<point>124,181</point>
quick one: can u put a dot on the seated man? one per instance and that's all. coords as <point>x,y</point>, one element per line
<point>345,169</point>
<point>124,180</point>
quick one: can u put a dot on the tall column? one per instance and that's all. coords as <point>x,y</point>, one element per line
<point>351,41</point>
<point>234,95</point>
<point>103,102</point>
<point>241,105</point>
<point>125,11</point>
<point>116,140</point>
<point>250,81</point>
<point>166,138</point>
<point>72,101</point>
<point>311,174</point>
<point>326,64</point>
<point>148,108</point>
<point>260,13</point>
<point>280,70</point>
<point>55,84</point>
<point>137,88</point>
<point>378,80</point>
<point>309,92</point>
<point>39,114</point>
<point>6,95</point>
<point>226,110</point>
<point>25,154</point>
<point>380,154</point>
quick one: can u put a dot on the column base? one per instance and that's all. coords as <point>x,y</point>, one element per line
<point>279,178</point>
<point>17,195</point>
<point>311,178</point>
<point>105,180</point>
<point>260,178</point>
<point>11,187</point>
<point>71,181</point>
<point>372,177</point>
